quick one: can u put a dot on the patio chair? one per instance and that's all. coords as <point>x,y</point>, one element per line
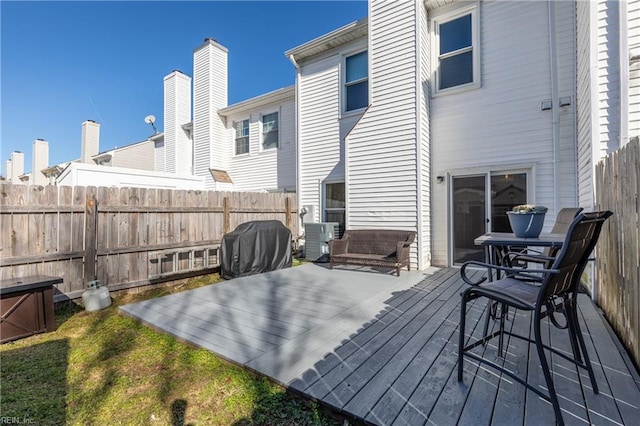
<point>557,293</point>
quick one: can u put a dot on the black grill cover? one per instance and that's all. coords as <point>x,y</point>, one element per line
<point>255,247</point>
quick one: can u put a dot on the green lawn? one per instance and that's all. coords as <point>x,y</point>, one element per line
<point>103,368</point>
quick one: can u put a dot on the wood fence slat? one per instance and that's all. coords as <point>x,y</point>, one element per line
<point>46,230</point>
<point>618,252</point>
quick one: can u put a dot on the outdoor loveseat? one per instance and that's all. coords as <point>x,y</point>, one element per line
<point>372,247</point>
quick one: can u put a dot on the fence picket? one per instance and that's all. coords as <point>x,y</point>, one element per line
<point>618,252</point>
<point>134,225</point>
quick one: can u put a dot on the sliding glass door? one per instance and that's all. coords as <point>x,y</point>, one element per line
<point>469,201</point>
<point>476,210</point>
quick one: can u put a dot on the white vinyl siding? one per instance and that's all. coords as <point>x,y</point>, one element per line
<point>158,156</point>
<point>599,86</point>
<point>425,139</point>
<point>321,156</point>
<point>177,112</point>
<point>586,120</point>
<point>382,187</point>
<point>139,156</point>
<point>211,150</point>
<point>608,76</point>
<point>501,125</point>
<point>265,169</point>
<point>633,19</point>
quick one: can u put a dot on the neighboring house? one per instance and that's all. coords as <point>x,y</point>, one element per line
<point>263,149</point>
<point>430,115</point>
<point>81,174</point>
<point>249,146</point>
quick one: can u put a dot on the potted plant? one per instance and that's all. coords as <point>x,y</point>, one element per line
<point>526,220</point>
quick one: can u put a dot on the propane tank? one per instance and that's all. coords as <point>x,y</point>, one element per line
<point>95,297</point>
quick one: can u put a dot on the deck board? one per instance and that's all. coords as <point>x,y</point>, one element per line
<point>383,349</point>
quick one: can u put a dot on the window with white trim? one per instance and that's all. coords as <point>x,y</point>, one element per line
<point>356,81</point>
<point>270,133</point>
<point>457,50</point>
<point>242,136</point>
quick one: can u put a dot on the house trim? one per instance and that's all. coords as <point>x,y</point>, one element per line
<point>339,37</point>
<point>276,96</point>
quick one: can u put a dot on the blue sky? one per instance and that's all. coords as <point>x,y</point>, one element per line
<point>65,62</point>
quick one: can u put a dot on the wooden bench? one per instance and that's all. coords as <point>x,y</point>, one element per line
<point>372,247</point>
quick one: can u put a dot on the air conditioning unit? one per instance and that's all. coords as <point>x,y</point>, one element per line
<point>317,236</point>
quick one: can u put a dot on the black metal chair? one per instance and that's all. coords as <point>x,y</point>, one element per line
<point>557,293</point>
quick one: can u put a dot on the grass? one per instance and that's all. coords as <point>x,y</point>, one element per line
<point>103,368</point>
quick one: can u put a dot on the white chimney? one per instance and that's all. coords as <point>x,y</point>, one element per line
<point>90,141</point>
<point>8,170</point>
<point>177,111</point>
<point>209,95</point>
<point>39,161</point>
<point>17,167</point>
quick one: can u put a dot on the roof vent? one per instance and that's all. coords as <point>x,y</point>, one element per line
<point>210,39</point>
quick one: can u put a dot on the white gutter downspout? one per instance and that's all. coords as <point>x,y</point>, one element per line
<point>419,166</point>
<point>555,101</point>
<point>295,137</point>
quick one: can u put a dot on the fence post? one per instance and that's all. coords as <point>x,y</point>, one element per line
<point>226,223</point>
<point>287,207</point>
<point>90,238</point>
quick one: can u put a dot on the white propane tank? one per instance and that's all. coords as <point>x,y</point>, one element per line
<point>95,297</point>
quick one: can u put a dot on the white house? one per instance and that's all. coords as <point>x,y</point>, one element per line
<point>249,146</point>
<point>437,116</point>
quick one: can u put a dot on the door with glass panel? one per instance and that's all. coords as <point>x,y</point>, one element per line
<point>334,204</point>
<point>479,204</point>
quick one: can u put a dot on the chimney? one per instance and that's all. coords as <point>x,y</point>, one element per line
<point>39,161</point>
<point>209,95</point>
<point>15,167</point>
<point>177,111</point>
<point>90,141</point>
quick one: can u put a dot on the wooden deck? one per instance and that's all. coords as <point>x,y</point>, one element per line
<point>382,349</point>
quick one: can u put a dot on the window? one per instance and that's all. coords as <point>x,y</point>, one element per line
<point>457,50</point>
<point>334,204</point>
<point>270,130</point>
<point>356,81</point>
<point>242,136</point>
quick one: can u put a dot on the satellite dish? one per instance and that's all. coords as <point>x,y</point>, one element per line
<point>151,119</point>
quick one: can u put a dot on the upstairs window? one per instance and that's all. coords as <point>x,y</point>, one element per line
<point>242,136</point>
<point>356,81</point>
<point>270,130</point>
<point>457,50</point>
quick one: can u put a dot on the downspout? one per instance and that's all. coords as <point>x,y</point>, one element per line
<point>295,136</point>
<point>555,101</point>
<point>419,166</point>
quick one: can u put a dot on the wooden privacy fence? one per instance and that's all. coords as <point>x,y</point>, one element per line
<point>124,237</point>
<point>618,255</point>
